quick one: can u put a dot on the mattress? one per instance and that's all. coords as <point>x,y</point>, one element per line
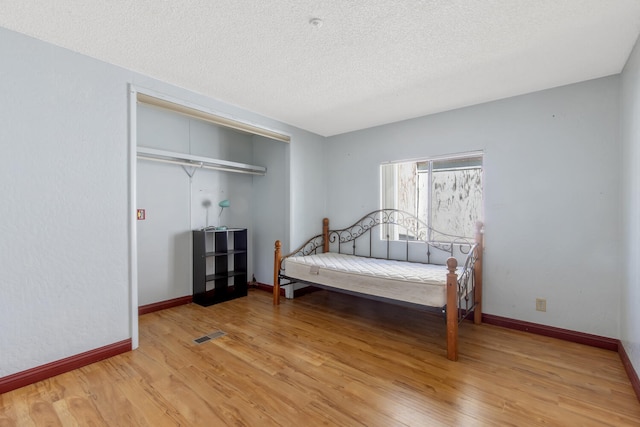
<point>423,284</point>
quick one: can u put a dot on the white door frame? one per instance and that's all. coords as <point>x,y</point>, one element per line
<point>133,235</point>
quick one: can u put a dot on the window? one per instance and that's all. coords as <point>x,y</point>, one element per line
<point>445,193</point>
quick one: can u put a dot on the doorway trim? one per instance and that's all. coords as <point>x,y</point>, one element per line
<point>133,234</point>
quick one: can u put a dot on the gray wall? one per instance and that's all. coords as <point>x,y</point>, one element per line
<point>551,188</point>
<point>64,208</point>
<point>270,200</point>
<point>630,126</point>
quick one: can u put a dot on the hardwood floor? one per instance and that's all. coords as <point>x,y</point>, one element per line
<point>330,359</point>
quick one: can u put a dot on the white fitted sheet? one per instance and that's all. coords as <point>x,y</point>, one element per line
<point>423,284</point>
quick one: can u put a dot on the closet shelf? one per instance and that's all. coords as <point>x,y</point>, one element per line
<point>182,159</point>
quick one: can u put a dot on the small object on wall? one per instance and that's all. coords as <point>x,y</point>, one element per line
<point>141,215</point>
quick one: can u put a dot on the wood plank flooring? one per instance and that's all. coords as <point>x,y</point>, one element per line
<point>330,359</point>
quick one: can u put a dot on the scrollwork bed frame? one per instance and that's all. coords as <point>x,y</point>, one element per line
<point>464,290</point>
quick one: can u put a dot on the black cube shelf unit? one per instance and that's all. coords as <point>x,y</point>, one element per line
<point>219,265</point>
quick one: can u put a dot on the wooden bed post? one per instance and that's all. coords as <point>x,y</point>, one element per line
<point>477,275</point>
<point>276,274</point>
<point>325,235</point>
<point>452,309</point>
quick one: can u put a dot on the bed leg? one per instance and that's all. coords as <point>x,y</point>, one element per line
<point>452,310</point>
<point>276,274</point>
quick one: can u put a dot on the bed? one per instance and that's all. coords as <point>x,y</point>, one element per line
<point>391,255</point>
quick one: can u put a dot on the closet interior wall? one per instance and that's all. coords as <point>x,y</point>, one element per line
<point>177,200</point>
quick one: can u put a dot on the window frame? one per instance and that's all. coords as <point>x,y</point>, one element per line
<point>386,183</point>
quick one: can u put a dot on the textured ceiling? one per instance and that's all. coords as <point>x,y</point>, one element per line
<point>370,62</point>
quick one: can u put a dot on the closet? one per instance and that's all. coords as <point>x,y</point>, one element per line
<point>188,161</point>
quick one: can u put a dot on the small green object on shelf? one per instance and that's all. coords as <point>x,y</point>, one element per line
<point>223,204</point>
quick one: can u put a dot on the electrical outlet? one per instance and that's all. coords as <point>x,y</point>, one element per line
<point>541,304</point>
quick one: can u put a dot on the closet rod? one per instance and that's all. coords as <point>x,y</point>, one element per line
<point>198,165</point>
<point>152,154</point>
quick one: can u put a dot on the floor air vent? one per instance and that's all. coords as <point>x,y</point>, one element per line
<point>211,336</point>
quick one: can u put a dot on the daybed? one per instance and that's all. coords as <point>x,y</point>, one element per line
<point>400,262</point>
